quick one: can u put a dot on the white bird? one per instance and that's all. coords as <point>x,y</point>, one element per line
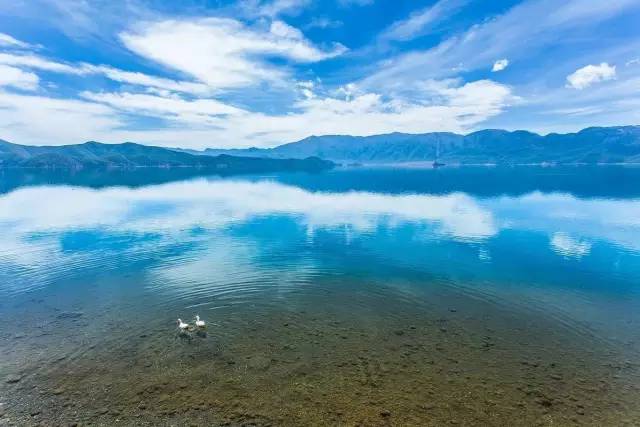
<point>183,326</point>
<point>199,323</point>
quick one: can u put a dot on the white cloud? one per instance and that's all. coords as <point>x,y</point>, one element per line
<point>37,62</point>
<point>146,80</point>
<point>308,93</point>
<point>456,108</point>
<point>308,84</point>
<point>306,88</point>
<point>34,119</point>
<point>450,107</point>
<point>565,109</point>
<point>500,65</point>
<point>591,74</point>
<point>9,41</point>
<point>134,78</point>
<point>285,31</point>
<point>483,96</point>
<point>198,112</point>
<point>576,111</point>
<point>347,91</point>
<point>420,21</point>
<point>224,53</point>
<point>15,77</point>
<point>279,7</point>
<point>548,22</point>
<point>221,58</point>
<point>323,22</point>
<point>86,21</point>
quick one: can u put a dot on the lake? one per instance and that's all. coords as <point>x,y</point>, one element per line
<point>365,296</point>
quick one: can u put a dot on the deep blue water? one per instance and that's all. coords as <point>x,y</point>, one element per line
<point>528,254</point>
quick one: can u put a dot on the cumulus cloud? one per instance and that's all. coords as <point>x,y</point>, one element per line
<point>500,65</point>
<point>591,74</point>
<point>17,78</point>
<point>225,53</point>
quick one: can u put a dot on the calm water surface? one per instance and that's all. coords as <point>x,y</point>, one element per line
<point>472,296</point>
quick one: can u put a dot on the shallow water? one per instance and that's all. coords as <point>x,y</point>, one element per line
<point>471,296</point>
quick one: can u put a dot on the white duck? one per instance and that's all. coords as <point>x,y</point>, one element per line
<point>200,323</point>
<point>182,326</point>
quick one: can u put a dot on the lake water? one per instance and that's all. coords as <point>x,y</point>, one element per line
<point>472,296</point>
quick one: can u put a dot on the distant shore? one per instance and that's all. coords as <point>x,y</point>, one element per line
<point>429,165</point>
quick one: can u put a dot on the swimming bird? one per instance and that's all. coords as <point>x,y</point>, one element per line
<point>199,323</point>
<point>183,326</point>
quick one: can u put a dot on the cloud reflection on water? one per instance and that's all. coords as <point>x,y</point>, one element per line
<point>172,211</point>
<point>183,205</point>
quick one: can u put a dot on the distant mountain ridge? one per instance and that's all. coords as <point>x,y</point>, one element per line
<point>129,155</point>
<point>620,144</point>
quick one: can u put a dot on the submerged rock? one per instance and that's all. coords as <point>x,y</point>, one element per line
<point>12,379</point>
<point>57,391</point>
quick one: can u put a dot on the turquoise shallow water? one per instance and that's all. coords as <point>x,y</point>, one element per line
<point>357,296</point>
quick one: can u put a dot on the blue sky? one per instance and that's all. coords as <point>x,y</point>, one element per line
<point>198,73</point>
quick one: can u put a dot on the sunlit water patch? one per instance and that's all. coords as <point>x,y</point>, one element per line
<point>351,297</point>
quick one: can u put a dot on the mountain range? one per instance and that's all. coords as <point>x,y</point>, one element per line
<point>619,144</point>
<point>593,145</point>
<point>129,155</point>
